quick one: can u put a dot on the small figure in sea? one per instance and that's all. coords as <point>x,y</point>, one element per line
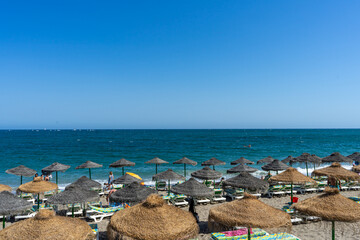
<point>248,146</point>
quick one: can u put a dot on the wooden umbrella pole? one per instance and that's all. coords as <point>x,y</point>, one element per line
<point>333,230</point>
<point>249,234</point>
<point>72,211</point>
<point>185,171</point>
<point>4,221</point>
<point>307,170</point>
<point>292,200</point>
<point>38,202</point>
<point>90,173</point>
<point>169,188</point>
<point>56,177</point>
<point>123,171</point>
<point>21,180</point>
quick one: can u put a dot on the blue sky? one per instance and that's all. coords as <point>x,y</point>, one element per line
<point>180,64</point>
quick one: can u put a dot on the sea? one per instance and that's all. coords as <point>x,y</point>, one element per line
<point>37,148</point>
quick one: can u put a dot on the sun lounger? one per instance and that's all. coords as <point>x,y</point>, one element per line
<point>218,195</point>
<point>202,200</point>
<point>310,188</point>
<point>321,186</point>
<point>179,201</point>
<point>237,193</point>
<point>95,229</point>
<point>277,236</point>
<point>99,213</point>
<point>28,214</point>
<point>240,233</point>
<point>161,186</point>
<point>276,190</point>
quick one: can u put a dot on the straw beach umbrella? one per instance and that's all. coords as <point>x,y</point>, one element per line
<point>185,161</point>
<point>354,155</point>
<point>336,157</point>
<point>275,165</point>
<point>291,176</point>
<point>335,170</point>
<point>152,219</point>
<point>268,159</point>
<point>86,183</point>
<point>206,173</point>
<point>132,193</point>
<point>331,206</point>
<point>21,171</point>
<point>73,195</point>
<point>288,160</point>
<point>37,186</point>
<point>89,165</point>
<point>126,179</point>
<point>213,162</point>
<point>168,175</point>
<point>56,167</point>
<point>248,212</point>
<point>247,181</point>
<point>122,163</point>
<point>157,161</point>
<point>241,168</point>
<point>5,188</point>
<point>307,158</point>
<point>241,160</point>
<point>11,204</point>
<point>45,225</point>
<point>192,188</point>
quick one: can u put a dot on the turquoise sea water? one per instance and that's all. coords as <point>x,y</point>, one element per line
<point>39,148</point>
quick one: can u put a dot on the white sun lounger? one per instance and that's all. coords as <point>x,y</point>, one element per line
<point>98,217</point>
<point>25,216</point>
<point>203,201</point>
<point>296,220</point>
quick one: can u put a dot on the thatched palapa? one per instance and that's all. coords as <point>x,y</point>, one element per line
<point>275,165</point>
<point>185,160</point>
<point>268,159</point>
<point>153,219</point>
<point>307,157</point>
<point>157,161</point>
<point>5,188</point>
<point>122,163</point>
<point>74,195</point>
<point>132,193</point>
<point>11,204</point>
<point>241,160</point>
<point>288,160</point>
<point>21,171</point>
<point>45,225</point>
<point>354,155</point>
<point>241,168</point>
<point>126,179</point>
<point>89,164</point>
<point>193,188</point>
<point>335,170</point>
<point>206,174</point>
<point>248,212</point>
<point>213,162</point>
<point>37,186</point>
<point>336,157</point>
<point>248,182</point>
<point>168,175</point>
<point>56,167</point>
<point>331,206</point>
<point>291,175</point>
<point>86,183</point>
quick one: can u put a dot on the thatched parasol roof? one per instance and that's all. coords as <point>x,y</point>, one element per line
<point>291,175</point>
<point>21,171</point>
<point>122,163</point>
<point>156,160</point>
<point>45,225</point>
<point>307,157</point>
<point>268,159</point>
<point>206,174</point>
<point>37,186</point>
<point>249,212</point>
<point>126,179</point>
<point>5,188</point>
<point>213,162</point>
<point>185,160</point>
<point>192,188</point>
<point>153,219</point>
<point>56,167</point>
<point>331,206</point>
<point>354,155</point>
<point>241,168</point>
<point>73,195</point>
<point>247,181</point>
<point>168,175</point>
<point>132,193</point>
<point>86,183</point>
<point>335,170</point>
<point>336,157</point>
<point>275,165</point>
<point>288,159</point>
<point>89,164</point>
<point>241,160</point>
<point>11,204</point>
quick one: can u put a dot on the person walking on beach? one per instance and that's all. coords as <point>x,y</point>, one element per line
<point>110,180</point>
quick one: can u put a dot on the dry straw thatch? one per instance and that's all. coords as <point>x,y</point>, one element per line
<point>241,168</point>
<point>11,204</point>
<point>37,186</point>
<point>21,171</point>
<point>275,165</point>
<point>331,206</point>
<point>168,175</point>
<point>213,162</point>
<point>86,183</point>
<point>206,174</point>
<point>156,160</point>
<point>336,157</point>
<point>185,160</point>
<point>5,188</point>
<point>126,179</point>
<point>288,159</point>
<point>153,219</point>
<point>73,195</point>
<point>335,170</point>
<point>45,225</point>
<point>193,188</point>
<point>131,193</point>
<point>241,160</point>
<point>354,155</point>
<point>122,163</point>
<point>248,212</point>
<point>268,159</point>
<point>89,164</point>
<point>56,167</point>
<point>291,175</point>
<point>248,182</point>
